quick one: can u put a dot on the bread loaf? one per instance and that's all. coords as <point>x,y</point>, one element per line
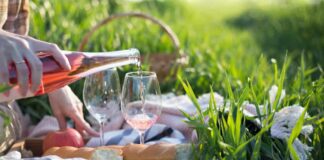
<point>84,152</point>
<point>149,152</point>
<point>162,151</point>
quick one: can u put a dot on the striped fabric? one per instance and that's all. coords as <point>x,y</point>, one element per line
<point>14,16</point>
<point>157,133</point>
<point>3,12</point>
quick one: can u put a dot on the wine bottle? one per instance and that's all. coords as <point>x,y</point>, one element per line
<point>82,65</point>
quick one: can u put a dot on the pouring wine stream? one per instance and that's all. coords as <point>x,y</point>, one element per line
<point>142,87</point>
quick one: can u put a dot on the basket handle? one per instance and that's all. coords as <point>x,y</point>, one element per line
<point>107,20</point>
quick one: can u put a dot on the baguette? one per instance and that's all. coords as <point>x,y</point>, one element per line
<point>149,152</point>
<point>84,152</point>
<point>162,151</point>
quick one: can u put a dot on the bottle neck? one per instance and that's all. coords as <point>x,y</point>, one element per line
<point>92,62</point>
<point>132,54</point>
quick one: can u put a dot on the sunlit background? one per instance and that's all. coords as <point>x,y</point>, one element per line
<point>238,40</point>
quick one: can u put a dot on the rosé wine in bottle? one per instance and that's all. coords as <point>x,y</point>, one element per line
<point>82,64</point>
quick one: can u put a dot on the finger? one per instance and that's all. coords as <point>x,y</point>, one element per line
<point>59,57</point>
<point>80,113</point>
<point>36,71</point>
<point>79,107</point>
<point>19,47</point>
<point>80,128</point>
<point>89,130</point>
<point>53,49</point>
<point>61,121</point>
<point>4,71</point>
<point>83,124</point>
<point>22,76</point>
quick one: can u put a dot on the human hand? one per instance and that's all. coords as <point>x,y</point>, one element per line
<point>65,103</point>
<point>20,51</point>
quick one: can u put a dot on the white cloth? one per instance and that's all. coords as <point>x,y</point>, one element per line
<point>47,124</point>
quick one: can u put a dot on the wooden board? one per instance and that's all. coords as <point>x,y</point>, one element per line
<point>35,145</point>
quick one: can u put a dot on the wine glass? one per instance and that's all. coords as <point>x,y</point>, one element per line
<point>141,100</point>
<point>101,95</point>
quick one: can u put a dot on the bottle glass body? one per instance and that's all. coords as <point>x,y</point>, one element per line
<point>82,65</point>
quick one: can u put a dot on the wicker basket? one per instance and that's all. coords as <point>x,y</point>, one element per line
<point>164,64</point>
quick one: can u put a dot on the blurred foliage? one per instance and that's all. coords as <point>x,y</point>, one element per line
<point>233,39</point>
<point>296,29</point>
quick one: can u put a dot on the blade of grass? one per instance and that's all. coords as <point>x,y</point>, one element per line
<point>191,95</point>
<point>229,90</point>
<point>281,83</point>
<point>6,119</point>
<point>296,131</point>
<point>262,131</point>
<point>4,88</point>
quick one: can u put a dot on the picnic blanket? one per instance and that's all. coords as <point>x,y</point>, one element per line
<point>170,127</point>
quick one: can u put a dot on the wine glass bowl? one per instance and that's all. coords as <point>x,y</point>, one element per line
<point>101,95</point>
<point>139,117</point>
<point>141,100</point>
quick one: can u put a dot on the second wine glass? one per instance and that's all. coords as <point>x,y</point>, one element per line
<point>141,101</point>
<point>101,95</point>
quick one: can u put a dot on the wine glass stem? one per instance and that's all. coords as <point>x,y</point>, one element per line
<point>102,138</point>
<point>141,137</point>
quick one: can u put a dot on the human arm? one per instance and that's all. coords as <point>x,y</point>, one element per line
<point>64,104</point>
<point>20,50</point>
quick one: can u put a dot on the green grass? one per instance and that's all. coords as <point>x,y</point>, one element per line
<point>230,135</point>
<point>236,48</point>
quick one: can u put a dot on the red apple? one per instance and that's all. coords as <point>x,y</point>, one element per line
<point>68,137</point>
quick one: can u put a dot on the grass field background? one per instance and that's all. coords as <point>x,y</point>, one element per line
<point>245,42</point>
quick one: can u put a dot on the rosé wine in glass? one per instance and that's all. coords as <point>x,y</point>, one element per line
<point>141,100</point>
<point>141,122</point>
